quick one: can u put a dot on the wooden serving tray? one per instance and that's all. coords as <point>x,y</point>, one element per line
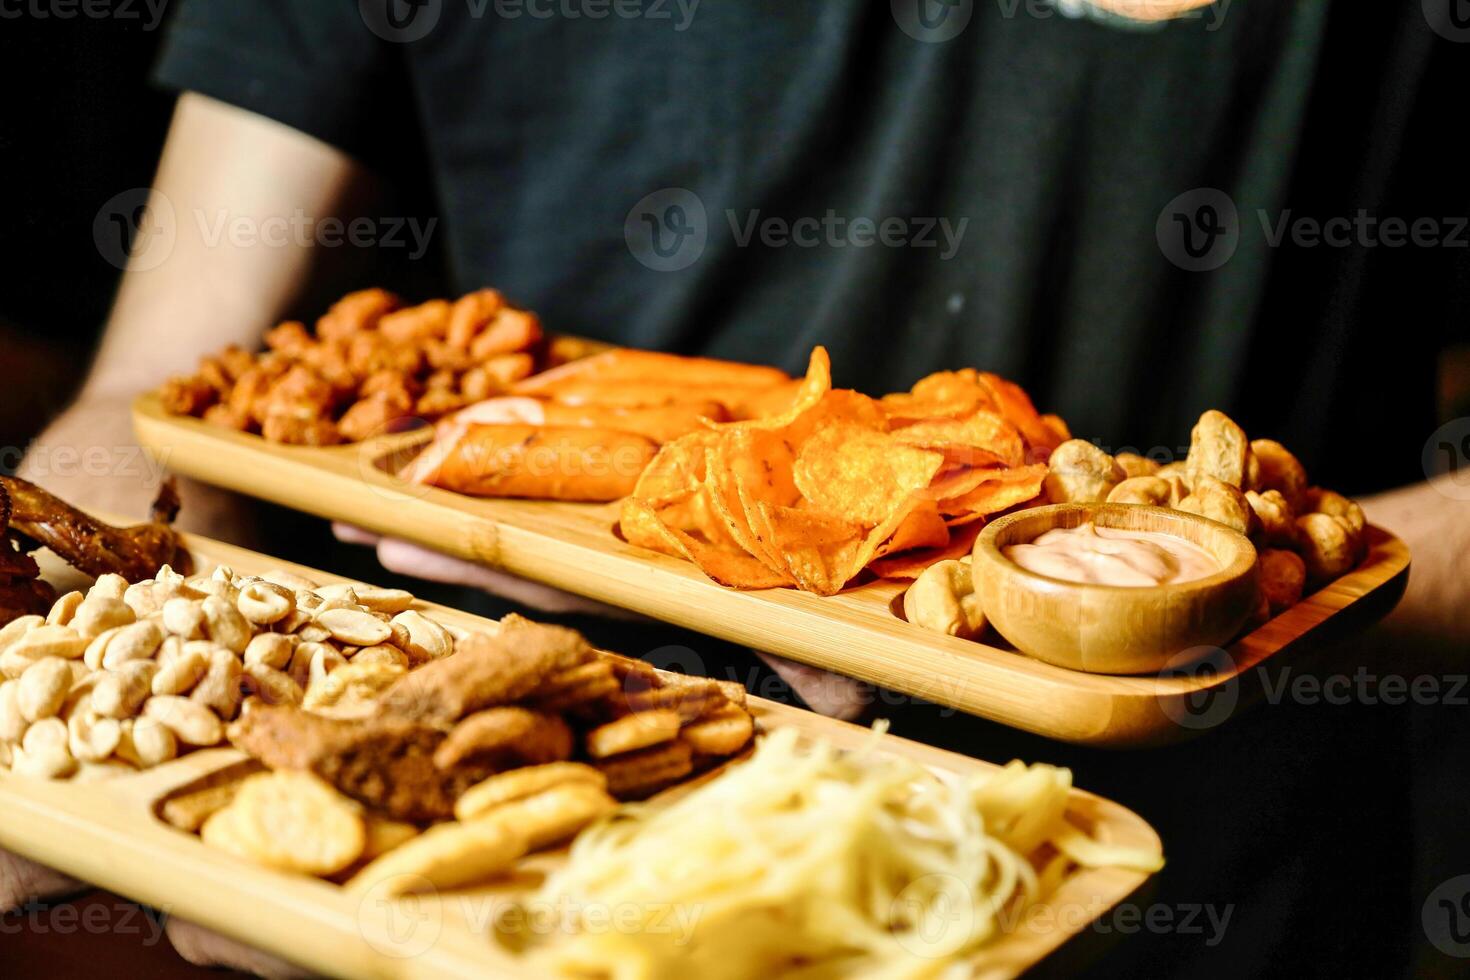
<point>109,834</point>
<point>857,633</point>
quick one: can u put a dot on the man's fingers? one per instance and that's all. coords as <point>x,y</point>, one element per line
<point>824,692</point>
<point>202,947</point>
<point>23,881</point>
<point>352,534</point>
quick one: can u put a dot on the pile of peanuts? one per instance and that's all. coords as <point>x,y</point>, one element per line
<point>126,677</point>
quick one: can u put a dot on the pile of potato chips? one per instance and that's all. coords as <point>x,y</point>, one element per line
<point>841,482</point>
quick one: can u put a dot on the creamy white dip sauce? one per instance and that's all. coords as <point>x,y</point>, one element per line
<point>1113,556</point>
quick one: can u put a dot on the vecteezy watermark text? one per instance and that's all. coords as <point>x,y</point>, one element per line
<point>148,12</point>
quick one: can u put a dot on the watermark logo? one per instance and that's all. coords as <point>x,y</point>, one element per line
<point>150,12</point>
<point>1210,705</point>
<point>932,21</point>
<point>401,21</point>
<point>1199,230</point>
<point>1446,917</point>
<point>400,916</point>
<point>934,915</point>
<point>1447,455</point>
<point>1450,19</point>
<point>667,230</point>
<point>136,230</point>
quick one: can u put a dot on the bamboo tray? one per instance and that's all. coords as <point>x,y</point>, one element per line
<point>856,633</point>
<point>108,833</point>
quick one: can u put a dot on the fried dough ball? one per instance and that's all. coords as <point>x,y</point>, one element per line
<point>1178,470</point>
<point>1136,465</point>
<point>1217,448</point>
<point>1326,544</point>
<point>1320,501</point>
<point>1279,470</point>
<point>1081,473</point>
<point>1143,490</point>
<point>1219,501</point>
<point>1275,519</point>
<point>1283,578</point>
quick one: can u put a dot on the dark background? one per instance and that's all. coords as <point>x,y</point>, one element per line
<point>1300,816</point>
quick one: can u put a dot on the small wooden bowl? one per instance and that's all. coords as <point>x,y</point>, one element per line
<point>1113,629</point>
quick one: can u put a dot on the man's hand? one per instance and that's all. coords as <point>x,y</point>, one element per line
<point>23,881</point>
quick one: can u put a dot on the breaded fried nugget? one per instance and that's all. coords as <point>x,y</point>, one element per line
<point>511,735</point>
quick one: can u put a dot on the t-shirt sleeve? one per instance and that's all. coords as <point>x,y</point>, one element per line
<point>314,66</point>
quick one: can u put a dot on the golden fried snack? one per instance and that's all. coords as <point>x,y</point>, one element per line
<point>943,599</point>
<point>383,835</point>
<point>554,814</point>
<point>645,772</point>
<point>633,732</point>
<point>446,856</point>
<point>688,701</point>
<point>1152,490</point>
<point>1280,470</point>
<point>1219,501</point>
<point>1327,545</point>
<point>1275,521</point>
<point>188,811</point>
<point>723,732</point>
<point>1283,577</point>
<point>507,734</point>
<point>1320,501</point>
<point>1135,465</point>
<point>1217,448</point>
<point>291,821</point>
<point>517,784</point>
<point>1079,472</point>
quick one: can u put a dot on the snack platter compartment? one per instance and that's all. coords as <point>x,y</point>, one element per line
<point>110,833</point>
<point>859,632</point>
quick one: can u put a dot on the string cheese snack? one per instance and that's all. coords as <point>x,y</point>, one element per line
<point>810,858</point>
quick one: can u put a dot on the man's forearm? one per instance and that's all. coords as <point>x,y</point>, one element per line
<point>1434,519</point>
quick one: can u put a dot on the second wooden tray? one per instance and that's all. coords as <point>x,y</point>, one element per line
<point>856,633</point>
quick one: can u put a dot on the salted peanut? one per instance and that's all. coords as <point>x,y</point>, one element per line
<point>313,633</point>
<point>632,732</point>
<point>270,650</point>
<point>109,585</point>
<point>427,640</point>
<point>943,599</point>
<point>1219,501</point>
<point>264,603</point>
<point>1152,490</point>
<point>171,649</point>
<point>50,762</point>
<point>379,599</point>
<point>143,599</point>
<point>136,642</point>
<point>723,732</point>
<point>102,771</point>
<point>1218,449</point>
<point>16,628</point>
<point>48,733</point>
<point>516,784</point>
<point>188,811</point>
<point>219,689</point>
<point>324,661</point>
<point>92,656</point>
<point>350,626</point>
<point>120,693</point>
<point>302,656</point>
<point>96,616</point>
<point>43,688</point>
<point>1279,470</point>
<point>350,684</point>
<point>287,579</point>
<point>446,856</point>
<point>309,601</point>
<point>294,620</point>
<point>273,686</point>
<point>48,641</point>
<point>1079,472</point>
<point>146,742</point>
<point>341,592</point>
<point>224,625</point>
<point>63,609</point>
<point>1283,578</point>
<point>191,722</point>
<point>381,653</point>
<point>383,835</point>
<point>184,617</point>
<point>13,724</point>
<point>183,672</point>
<point>292,821</point>
<point>1275,522</point>
<point>1327,545</point>
<point>91,737</point>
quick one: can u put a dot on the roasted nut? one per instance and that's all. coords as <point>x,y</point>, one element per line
<point>272,686</point>
<point>1134,465</point>
<point>391,601</point>
<point>313,633</point>
<point>47,641</point>
<point>185,670</point>
<point>360,629</point>
<point>219,690</point>
<point>91,737</point>
<point>136,642</point>
<point>943,599</point>
<point>44,734</point>
<point>1279,470</point>
<point>1283,577</point>
<point>142,598</point>
<point>324,660</point>
<point>1079,472</point>
<point>427,640</point>
<point>109,585</point>
<point>43,688</point>
<point>224,624</point>
<point>270,650</point>
<point>120,693</point>
<point>96,616</point>
<point>16,628</point>
<point>263,603</point>
<point>383,653</point>
<point>63,609</point>
<point>92,656</point>
<point>184,617</point>
<point>192,723</point>
<point>338,592</point>
<point>13,724</point>
<point>289,580</point>
<point>171,649</point>
<point>301,660</point>
<point>1217,448</point>
<point>50,762</point>
<point>1152,490</point>
<point>1275,522</point>
<point>1219,501</point>
<point>146,742</point>
<point>1326,544</point>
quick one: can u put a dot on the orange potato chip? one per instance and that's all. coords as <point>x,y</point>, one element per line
<point>820,550</point>
<point>725,565</point>
<point>924,527</point>
<point>1001,490</point>
<point>982,439</point>
<point>911,564</point>
<point>1016,406</point>
<point>861,474</point>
